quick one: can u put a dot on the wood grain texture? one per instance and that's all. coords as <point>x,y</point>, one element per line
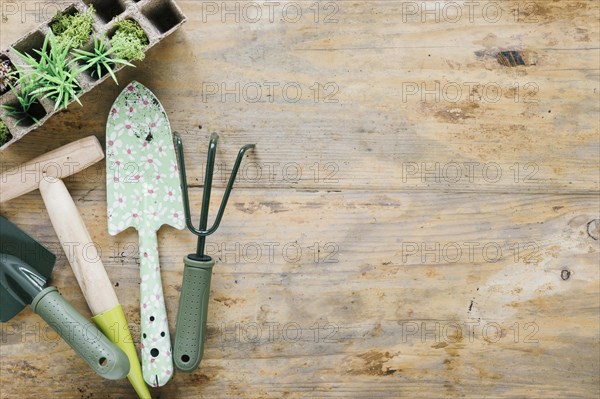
<point>352,260</point>
<point>57,164</point>
<point>85,260</point>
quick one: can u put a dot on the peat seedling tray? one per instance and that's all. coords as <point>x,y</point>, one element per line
<point>158,19</point>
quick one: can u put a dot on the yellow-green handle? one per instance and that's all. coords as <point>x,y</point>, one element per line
<point>190,329</point>
<point>99,353</point>
<point>114,325</point>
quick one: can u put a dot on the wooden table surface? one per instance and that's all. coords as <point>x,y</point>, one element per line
<point>419,218</point>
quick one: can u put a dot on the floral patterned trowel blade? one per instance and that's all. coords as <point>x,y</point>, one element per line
<point>143,192</point>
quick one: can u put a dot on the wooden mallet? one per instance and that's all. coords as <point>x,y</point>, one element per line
<point>46,173</point>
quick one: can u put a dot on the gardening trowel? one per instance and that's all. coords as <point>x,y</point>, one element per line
<point>25,266</point>
<point>75,238</point>
<point>143,192</point>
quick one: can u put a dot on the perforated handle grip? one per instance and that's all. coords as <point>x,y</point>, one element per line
<point>190,329</point>
<point>157,360</point>
<point>104,357</point>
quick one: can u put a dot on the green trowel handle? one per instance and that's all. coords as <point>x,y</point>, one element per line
<point>190,329</point>
<point>104,357</point>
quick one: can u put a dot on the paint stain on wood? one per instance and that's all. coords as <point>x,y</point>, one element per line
<point>431,272</point>
<point>458,113</point>
<point>488,375</point>
<point>374,363</point>
<point>229,301</point>
<point>544,11</point>
<point>452,363</point>
<point>200,378</point>
<point>24,369</point>
<point>377,330</point>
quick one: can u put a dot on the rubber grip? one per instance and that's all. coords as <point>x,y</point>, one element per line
<point>104,357</point>
<point>190,329</point>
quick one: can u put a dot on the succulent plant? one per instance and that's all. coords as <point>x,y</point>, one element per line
<point>52,75</point>
<point>6,75</point>
<point>25,99</point>
<point>99,59</point>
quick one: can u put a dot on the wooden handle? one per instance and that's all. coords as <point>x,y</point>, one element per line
<point>78,246</point>
<point>60,163</point>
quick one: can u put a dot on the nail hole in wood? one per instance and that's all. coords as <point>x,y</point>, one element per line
<point>513,58</point>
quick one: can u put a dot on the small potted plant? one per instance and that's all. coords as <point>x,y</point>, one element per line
<point>73,29</point>
<point>5,135</point>
<point>49,73</point>
<point>52,71</point>
<point>101,59</point>
<point>78,49</point>
<point>129,40</point>
<point>6,76</point>
<point>27,110</point>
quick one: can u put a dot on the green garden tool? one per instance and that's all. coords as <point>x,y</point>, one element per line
<point>68,224</point>
<point>25,266</point>
<point>142,188</point>
<point>195,288</point>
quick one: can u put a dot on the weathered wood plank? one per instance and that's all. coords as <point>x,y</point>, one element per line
<point>412,97</point>
<point>378,232</point>
<point>375,301</point>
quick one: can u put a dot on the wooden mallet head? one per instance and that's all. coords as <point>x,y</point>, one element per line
<point>57,164</point>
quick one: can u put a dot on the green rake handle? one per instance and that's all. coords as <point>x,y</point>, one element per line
<point>191,317</point>
<point>104,357</point>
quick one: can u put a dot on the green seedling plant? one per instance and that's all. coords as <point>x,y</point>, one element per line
<point>99,59</point>
<point>129,40</point>
<point>5,135</point>
<point>73,30</point>
<point>53,73</point>
<point>25,97</point>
